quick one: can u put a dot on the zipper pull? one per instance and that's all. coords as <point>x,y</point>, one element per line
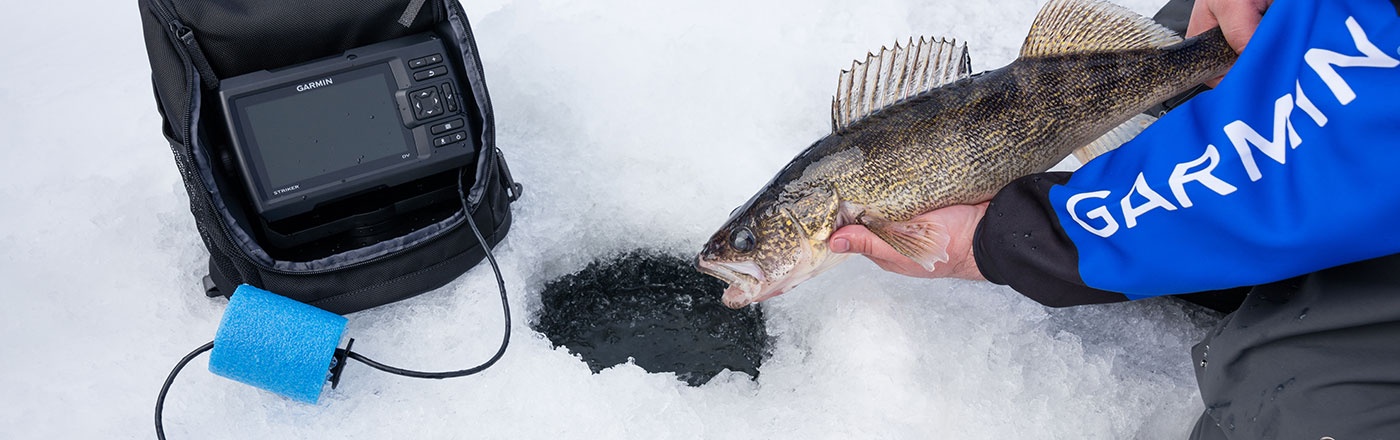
<point>513,189</point>
<point>184,33</point>
<point>201,64</point>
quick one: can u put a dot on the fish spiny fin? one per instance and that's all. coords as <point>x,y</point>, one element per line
<point>925,242</point>
<point>1080,26</point>
<point>895,75</point>
<point>1114,139</point>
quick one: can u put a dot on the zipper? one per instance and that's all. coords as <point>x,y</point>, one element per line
<point>168,17</point>
<point>173,24</point>
<point>447,10</point>
<point>201,64</point>
<point>193,53</point>
<point>164,11</point>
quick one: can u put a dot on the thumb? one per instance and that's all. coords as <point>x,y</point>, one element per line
<point>853,239</point>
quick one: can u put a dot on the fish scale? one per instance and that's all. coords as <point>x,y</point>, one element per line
<point>1087,67</point>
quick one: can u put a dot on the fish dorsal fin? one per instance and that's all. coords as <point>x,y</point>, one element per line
<point>1114,139</point>
<point>1081,26</point>
<point>894,75</point>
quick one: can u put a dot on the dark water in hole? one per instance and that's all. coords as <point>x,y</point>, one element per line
<point>654,308</point>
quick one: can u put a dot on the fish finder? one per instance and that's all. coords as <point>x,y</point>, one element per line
<point>373,117</point>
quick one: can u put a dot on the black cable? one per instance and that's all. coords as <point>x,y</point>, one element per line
<point>505,307</point>
<point>505,339</point>
<point>160,401</point>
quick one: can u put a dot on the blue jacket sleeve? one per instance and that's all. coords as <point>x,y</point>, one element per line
<point>1285,169</point>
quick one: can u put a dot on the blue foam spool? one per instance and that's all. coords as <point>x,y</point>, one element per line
<point>276,343</point>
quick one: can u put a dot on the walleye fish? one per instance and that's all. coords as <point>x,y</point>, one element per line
<point>913,130</point>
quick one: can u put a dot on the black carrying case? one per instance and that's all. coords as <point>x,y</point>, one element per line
<point>194,43</point>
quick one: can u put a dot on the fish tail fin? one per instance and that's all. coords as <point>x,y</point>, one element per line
<point>1082,26</point>
<point>925,242</point>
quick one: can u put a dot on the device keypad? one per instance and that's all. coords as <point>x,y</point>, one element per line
<point>434,101</point>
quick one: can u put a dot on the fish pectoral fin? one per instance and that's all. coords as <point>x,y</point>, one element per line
<point>1114,139</point>
<point>925,242</point>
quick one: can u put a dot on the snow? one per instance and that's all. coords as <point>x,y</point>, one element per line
<point>631,124</point>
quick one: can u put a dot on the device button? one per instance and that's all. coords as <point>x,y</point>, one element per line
<point>430,73</point>
<point>450,96</point>
<point>447,126</point>
<point>426,103</point>
<point>448,139</point>
<point>425,61</point>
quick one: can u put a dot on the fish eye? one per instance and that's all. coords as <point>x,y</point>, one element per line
<point>741,240</point>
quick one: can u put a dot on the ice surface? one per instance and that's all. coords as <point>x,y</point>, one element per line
<point>631,124</point>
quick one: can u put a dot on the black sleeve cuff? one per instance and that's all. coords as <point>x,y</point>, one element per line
<point>1020,243</point>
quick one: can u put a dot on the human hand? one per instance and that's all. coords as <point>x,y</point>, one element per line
<point>961,221</point>
<point>1237,19</point>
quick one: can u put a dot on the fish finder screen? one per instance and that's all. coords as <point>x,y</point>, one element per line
<point>327,128</point>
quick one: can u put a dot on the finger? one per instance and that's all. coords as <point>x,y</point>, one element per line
<point>859,240</point>
<point>840,241</point>
<point>1202,19</point>
<point>856,239</point>
<point>1238,21</point>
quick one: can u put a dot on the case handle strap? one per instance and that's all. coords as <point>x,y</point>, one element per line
<point>411,12</point>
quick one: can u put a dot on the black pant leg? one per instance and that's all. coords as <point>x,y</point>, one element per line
<point>1307,358</point>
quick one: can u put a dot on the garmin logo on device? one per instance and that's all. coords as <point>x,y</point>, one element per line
<point>286,190</point>
<point>315,84</point>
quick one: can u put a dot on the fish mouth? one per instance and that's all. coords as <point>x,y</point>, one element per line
<point>738,296</point>
<point>745,280</point>
<point>744,289</point>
